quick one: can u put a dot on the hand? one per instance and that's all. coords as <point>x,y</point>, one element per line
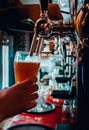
<point>18,98</point>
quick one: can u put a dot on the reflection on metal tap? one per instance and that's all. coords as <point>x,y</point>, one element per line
<point>42,26</point>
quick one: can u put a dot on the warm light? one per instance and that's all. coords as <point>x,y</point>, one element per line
<point>5,66</point>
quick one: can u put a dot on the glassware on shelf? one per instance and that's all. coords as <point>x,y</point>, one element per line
<point>67,110</point>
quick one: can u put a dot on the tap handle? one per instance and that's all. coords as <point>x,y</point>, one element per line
<point>44,5</point>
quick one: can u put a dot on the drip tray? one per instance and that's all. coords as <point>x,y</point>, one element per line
<point>44,108</point>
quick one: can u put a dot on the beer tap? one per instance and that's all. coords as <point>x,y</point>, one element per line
<point>42,28</point>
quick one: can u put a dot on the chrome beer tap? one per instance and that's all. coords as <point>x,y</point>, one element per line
<point>42,28</point>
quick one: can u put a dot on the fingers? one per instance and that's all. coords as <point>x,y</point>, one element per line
<point>31,105</point>
<point>29,98</point>
<point>26,84</point>
<point>31,101</point>
<point>32,97</point>
<point>29,84</point>
<point>31,89</point>
<point>24,94</point>
<point>29,81</point>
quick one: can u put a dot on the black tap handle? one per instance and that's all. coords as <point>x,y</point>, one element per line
<point>63,94</point>
<point>44,5</point>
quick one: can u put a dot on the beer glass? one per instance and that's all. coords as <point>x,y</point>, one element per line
<point>25,66</point>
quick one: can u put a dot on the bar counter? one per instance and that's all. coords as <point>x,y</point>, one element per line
<point>50,119</point>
